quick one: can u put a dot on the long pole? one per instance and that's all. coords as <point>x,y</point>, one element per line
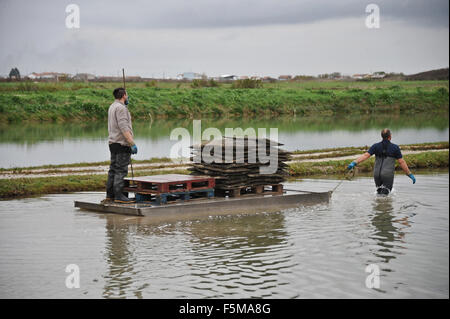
<point>123,77</point>
<point>131,161</point>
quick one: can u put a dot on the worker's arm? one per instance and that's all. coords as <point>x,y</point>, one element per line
<point>360,159</point>
<point>398,155</point>
<point>129,137</point>
<point>405,168</point>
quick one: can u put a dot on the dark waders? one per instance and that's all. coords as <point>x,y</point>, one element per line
<point>118,170</point>
<point>383,172</point>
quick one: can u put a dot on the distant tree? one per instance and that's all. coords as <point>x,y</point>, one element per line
<point>14,73</point>
<point>303,77</point>
<point>246,84</point>
<point>335,75</point>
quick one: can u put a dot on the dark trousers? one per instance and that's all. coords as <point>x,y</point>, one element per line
<point>118,169</point>
<point>384,183</point>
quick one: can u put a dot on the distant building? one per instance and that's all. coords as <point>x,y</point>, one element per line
<point>268,79</point>
<point>84,77</point>
<point>228,77</point>
<point>189,76</point>
<point>378,75</point>
<point>285,77</point>
<point>48,76</point>
<point>133,78</point>
<point>108,79</point>
<point>32,76</point>
<point>360,76</point>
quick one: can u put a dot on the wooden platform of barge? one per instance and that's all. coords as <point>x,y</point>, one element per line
<point>255,203</point>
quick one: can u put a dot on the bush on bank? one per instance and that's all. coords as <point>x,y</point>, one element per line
<point>79,101</point>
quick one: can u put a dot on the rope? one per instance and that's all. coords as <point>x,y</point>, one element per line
<point>347,176</point>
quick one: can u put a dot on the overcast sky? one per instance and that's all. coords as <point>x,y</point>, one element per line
<point>242,37</point>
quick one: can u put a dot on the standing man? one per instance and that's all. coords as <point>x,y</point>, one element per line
<point>385,155</point>
<point>121,146</point>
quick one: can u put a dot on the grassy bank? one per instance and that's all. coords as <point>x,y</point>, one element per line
<point>415,161</point>
<point>63,102</point>
<point>10,188</point>
<point>23,187</point>
<point>86,164</point>
<point>347,151</point>
<point>166,161</point>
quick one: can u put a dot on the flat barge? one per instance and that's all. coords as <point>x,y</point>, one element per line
<point>154,193</point>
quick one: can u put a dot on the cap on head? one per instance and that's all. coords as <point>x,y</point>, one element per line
<point>385,134</point>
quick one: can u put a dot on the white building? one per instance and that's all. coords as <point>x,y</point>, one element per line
<point>189,76</point>
<point>228,77</point>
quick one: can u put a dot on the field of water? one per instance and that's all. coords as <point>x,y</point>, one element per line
<point>41,144</point>
<point>307,252</point>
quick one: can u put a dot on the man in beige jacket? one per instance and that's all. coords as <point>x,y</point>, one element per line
<point>121,146</point>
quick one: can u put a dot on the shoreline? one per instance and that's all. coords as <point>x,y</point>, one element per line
<point>49,179</point>
<point>25,102</point>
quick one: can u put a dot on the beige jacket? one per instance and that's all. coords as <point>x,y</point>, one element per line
<point>119,121</point>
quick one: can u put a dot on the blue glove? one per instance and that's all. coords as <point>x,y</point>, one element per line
<point>412,177</point>
<point>351,165</point>
<point>134,149</point>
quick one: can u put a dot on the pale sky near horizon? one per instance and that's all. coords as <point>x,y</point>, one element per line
<point>242,37</point>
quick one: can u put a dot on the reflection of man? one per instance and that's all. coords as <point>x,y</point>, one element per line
<point>385,155</point>
<point>386,231</point>
<point>121,146</point>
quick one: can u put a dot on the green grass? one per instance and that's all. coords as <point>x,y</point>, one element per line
<point>415,161</point>
<point>75,183</point>
<point>68,102</point>
<point>21,187</point>
<point>86,164</point>
<point>344,151</point>
<point>309,154</point>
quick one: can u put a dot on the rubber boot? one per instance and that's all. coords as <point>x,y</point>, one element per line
<point>123,199</point>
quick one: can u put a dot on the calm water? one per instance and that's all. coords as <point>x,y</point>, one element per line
<point>314,252</point>
<point>41,144</point>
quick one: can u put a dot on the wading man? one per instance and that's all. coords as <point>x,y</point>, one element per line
<point>386,153</point>
<point>121,146</point>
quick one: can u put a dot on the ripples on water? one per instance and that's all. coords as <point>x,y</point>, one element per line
<point>312,252</point>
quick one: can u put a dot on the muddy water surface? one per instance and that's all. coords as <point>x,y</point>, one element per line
<point>314,252</point>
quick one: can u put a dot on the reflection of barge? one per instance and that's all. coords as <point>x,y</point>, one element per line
<point>173,195</point>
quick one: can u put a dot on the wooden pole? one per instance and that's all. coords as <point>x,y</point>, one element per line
<point>131,163</point>
<point>123,77</point>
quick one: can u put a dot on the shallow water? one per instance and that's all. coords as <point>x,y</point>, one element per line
<point>314,252</point>
<point>42,144</point>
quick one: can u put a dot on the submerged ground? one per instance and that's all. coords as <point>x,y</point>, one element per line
<point>92,176</point>
<point>321,251</point>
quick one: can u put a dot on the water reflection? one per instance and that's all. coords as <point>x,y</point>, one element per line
<point>319,252</point>
<point>388,233</point>
<point>31,144</point>
<point>241,254</point>
<point>224,256</point>
<point>120,259</point>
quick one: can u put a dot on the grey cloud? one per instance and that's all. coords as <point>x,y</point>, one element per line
<point>240,13</point>
<point>223,13</point>
<point>226,36</point>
